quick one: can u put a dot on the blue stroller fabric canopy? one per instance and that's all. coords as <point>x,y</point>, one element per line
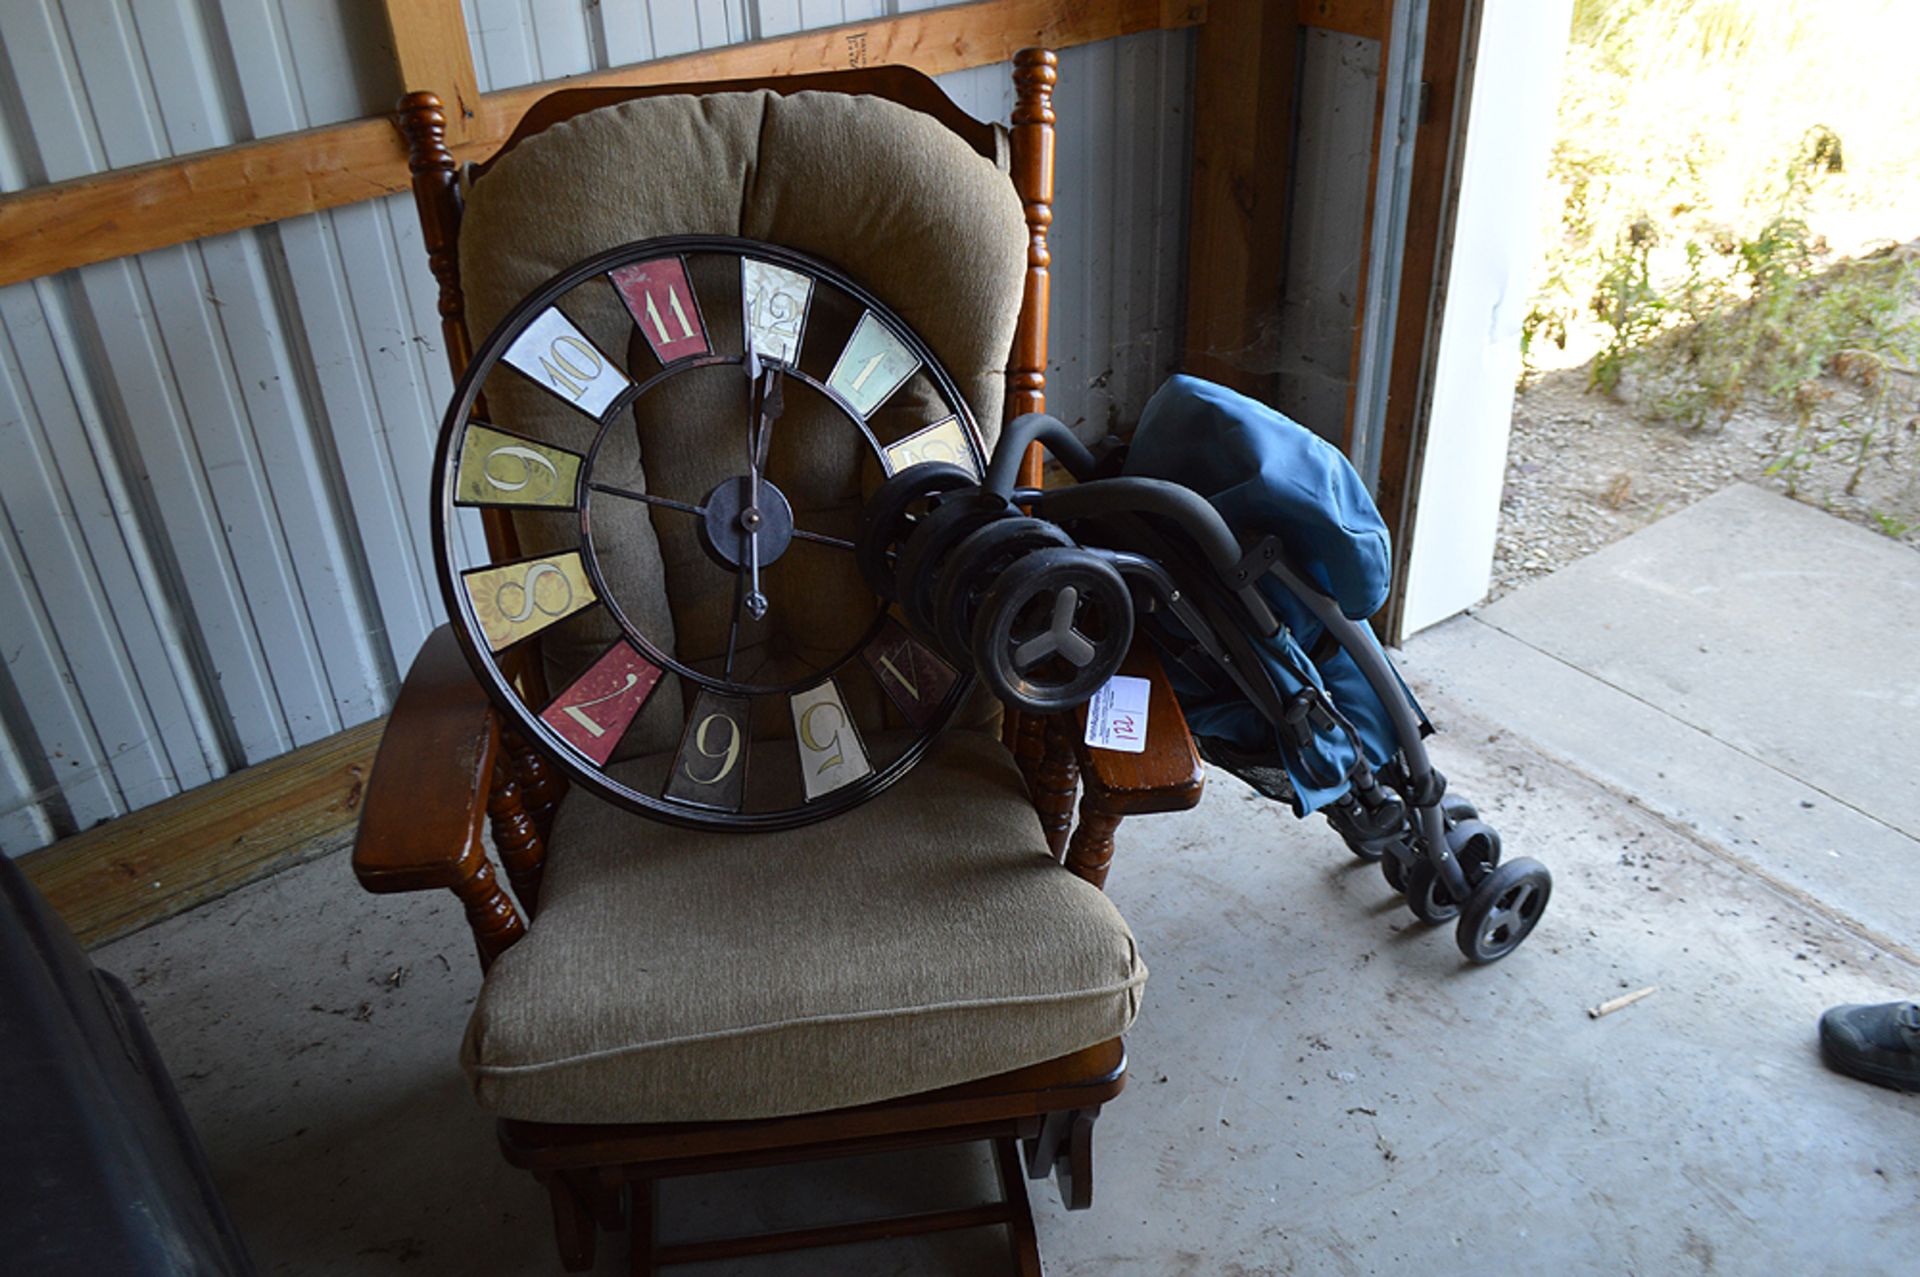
<point>1267,474</point>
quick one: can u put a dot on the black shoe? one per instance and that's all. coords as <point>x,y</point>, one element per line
<point>1878,1044</point>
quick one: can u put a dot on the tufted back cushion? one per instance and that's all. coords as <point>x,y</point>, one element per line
<point>887,194</point>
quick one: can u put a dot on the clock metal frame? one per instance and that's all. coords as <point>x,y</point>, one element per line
<point>493,666</point>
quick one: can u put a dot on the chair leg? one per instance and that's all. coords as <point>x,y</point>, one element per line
<point>644,1200</point>
<point>606,1197</point>
<point>1074,1172</point>
<point>1022,1238</point>
<point>1064,1148</point>
<point>572,1223</point>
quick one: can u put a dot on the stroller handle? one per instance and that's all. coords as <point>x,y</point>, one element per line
<point>1050,433</point>
<point>1193,513</point>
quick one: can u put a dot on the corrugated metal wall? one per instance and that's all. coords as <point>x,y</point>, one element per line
<point>213,458</point>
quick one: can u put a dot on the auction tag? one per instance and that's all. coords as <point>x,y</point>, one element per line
<point>1117,715</point>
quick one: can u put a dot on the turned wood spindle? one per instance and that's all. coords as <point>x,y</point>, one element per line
<point>1035,72</point>
<point>496,923</point>
<point>541,787</point>
<point>436,188</point>
<point>522,850</point>
<point>1090,851</point>
<point>1055,782</point>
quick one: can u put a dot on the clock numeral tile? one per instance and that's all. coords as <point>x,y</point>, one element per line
<point>874,364</point>
<point>711,768</point>
<point>914,678</point>
<point>831,754</point>
<point>660,298</point>
<point>517,600</point>
<point>774,301</point>
<point>554,354</point>
<point>944,440</point>
<point>595,711</point>
<point>497,468</point>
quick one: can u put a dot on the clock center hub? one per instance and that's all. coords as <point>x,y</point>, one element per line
<point>733,517</point>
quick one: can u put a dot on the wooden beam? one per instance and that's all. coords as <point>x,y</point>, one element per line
<point>1369,18</point>
<point>1431,204</point>
<point>1242,155</point>
<point>1381,127</point>
<point>431,53</point>
<point>167,858</point>
<point>61,225</point>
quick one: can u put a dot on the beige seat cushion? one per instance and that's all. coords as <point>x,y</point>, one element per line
<point>923,940</point>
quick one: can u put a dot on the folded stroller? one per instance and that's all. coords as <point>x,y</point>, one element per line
<point>1250,553</point>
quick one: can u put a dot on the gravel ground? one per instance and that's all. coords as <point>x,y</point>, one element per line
<point>1585,469</point>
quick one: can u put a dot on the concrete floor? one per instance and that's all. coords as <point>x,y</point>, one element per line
<point>1319,1085</point>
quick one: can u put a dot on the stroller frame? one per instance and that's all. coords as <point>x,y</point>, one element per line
<point>1177,553</point>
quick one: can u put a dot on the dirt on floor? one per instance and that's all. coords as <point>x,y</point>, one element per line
<point>1585,468</point>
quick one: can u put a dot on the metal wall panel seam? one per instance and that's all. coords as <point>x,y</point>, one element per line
<point>139,662</point>
<point>482,62</point>
<point>1173,180</point>
<point>561,34</point>
<point>498,28</point>
<point>338,397</point>
<point>420,299</point>
<point>59,134</point>
<point>407,399</point>
<point>421,293</point>
<point>250,309</point>
<point>347,407</point>
<point>41,704</point>
<point>240,588</point>
<point>295,511</point>
<point>109,309</point>
<point>335,57</point>
<point>23,818</point>
<point>625,33</point>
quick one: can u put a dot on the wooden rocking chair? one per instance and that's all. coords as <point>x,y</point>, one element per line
<point>447,768</point>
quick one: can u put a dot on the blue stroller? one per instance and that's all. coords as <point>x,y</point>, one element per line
<point>1250,552</point>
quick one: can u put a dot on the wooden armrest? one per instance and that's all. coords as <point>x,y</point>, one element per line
<point>420,826</point>
<point>1168,775</point>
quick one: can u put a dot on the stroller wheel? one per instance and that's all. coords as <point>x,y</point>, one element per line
<point>1394,873</point>
<point>888,519</point>
<point>1427,896</point>
<point>972,568</point>
<point>1458,809</point>
<point>922,557</point>
<point>1476,845</point>
<point>1052,629</point>
<point>1503,910</point>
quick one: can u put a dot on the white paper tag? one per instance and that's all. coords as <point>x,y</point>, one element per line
<point>1117,715</point>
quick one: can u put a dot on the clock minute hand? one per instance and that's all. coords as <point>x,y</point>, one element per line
<point>770,403</point>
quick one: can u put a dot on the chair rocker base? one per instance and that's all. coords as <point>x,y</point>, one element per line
<point>604,1178</point>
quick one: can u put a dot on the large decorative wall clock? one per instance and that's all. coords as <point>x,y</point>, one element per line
<point>678,434</point>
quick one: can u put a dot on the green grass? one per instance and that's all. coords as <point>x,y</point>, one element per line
<point>1709,155</point>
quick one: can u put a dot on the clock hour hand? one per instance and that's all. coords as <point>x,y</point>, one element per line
<point>754,601</point>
